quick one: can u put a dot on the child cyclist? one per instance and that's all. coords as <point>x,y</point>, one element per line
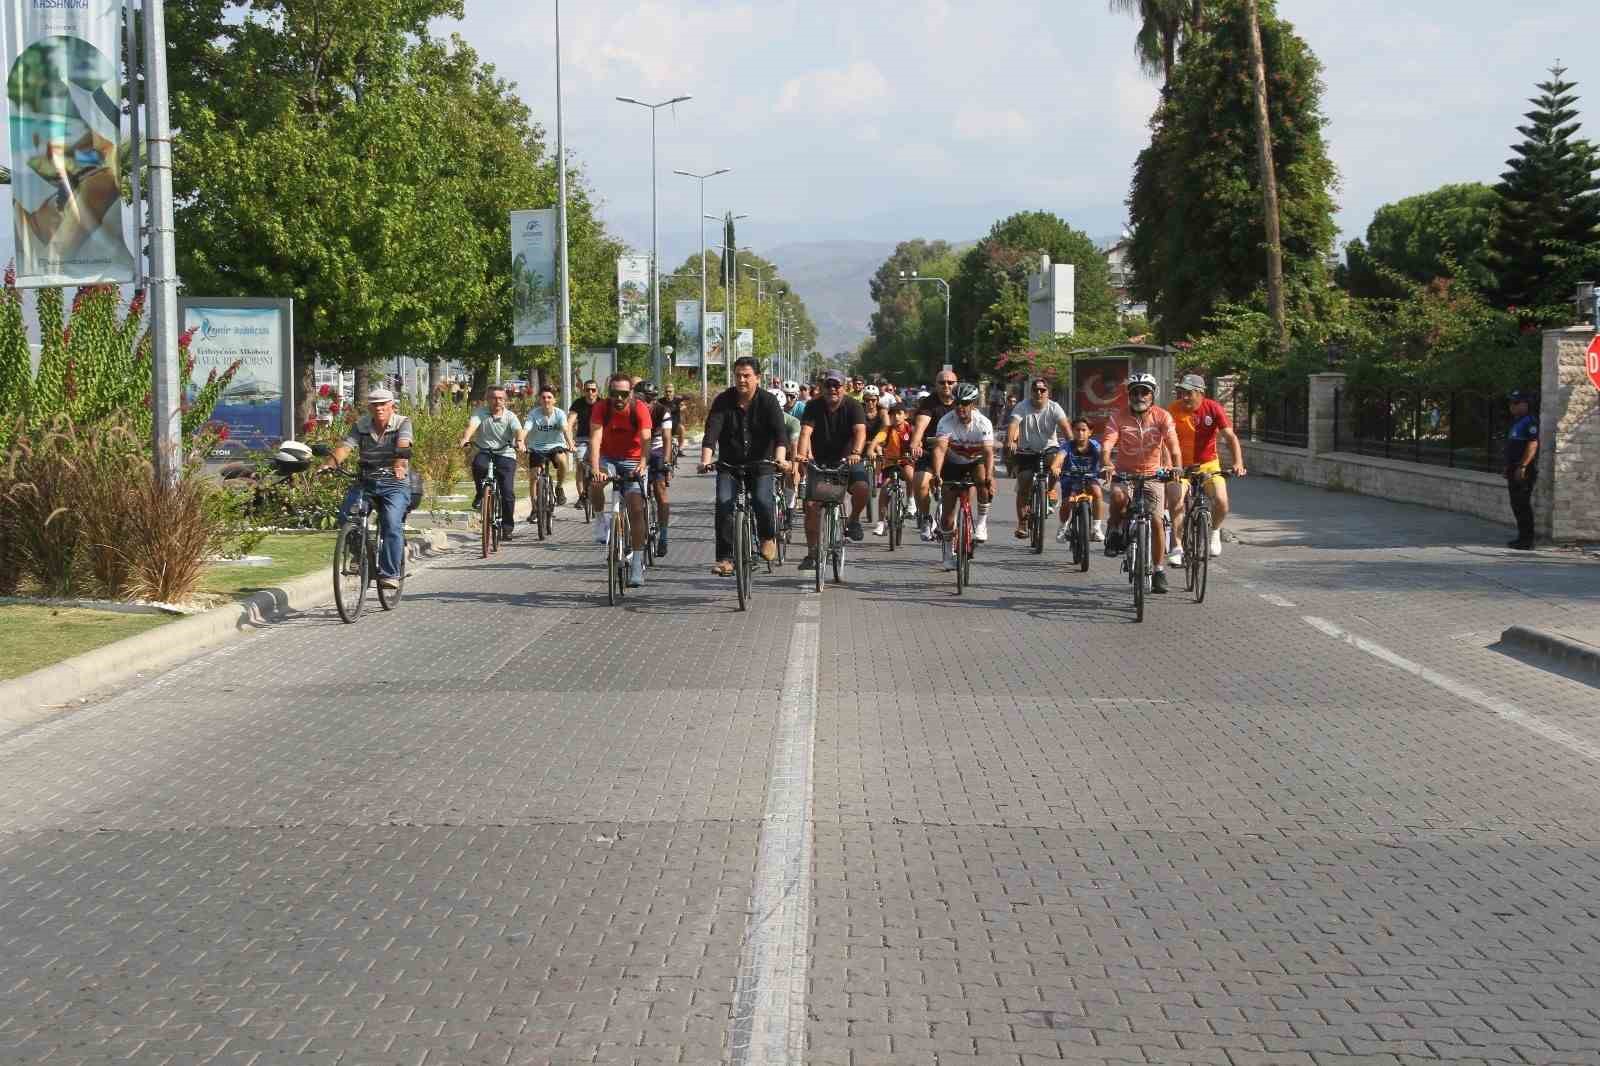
<point>1080,472</point>
<point>891,446</point>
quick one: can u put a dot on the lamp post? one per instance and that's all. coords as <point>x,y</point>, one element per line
<point>701,178</point>
<point>730,300</point>
<point>564,323</point>
<point>911,275</point>
<point>655,235</point>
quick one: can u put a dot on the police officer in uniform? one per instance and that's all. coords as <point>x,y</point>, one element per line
<point>1522,469</point>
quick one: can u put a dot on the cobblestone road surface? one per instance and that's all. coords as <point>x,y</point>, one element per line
<point>1319,819</point>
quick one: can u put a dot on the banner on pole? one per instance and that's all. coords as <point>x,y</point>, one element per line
<point>744,343</point>
<point>689,340</point>
<point>533,276</point>
<point>715,341</point>
<point>633,299</point>
<point>64,87</point>
<point>593,364</point>
<point>257,407</point>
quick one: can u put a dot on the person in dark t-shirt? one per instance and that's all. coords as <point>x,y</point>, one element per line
<point>930,409</point>
<point>833,432</point>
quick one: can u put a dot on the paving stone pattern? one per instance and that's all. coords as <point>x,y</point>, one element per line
<point>510,824</point>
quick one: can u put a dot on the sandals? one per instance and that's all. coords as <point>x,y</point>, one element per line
<point>724,568</point>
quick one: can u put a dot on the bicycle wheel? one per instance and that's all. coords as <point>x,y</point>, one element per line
<point>893,515</point>
<point>1037,522</point>
<point>541,493</point>
<point>349,571</point>
<point>836,553</point>
<point>958,540</point>
<point>649,529</point>
<point>1198,559</point>
<point>743,559</point>
<point>583,496</point>
<point>1141,558</point>
<point>1080,540</point>
<point>971,544</point>
<point>616,579</point>
<point>388,599</point>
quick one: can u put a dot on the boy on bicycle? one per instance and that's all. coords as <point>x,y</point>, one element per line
<point>891,446</point>
<point>1081,473</point>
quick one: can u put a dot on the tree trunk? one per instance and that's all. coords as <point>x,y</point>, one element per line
<point>480,384</point>
<point>305,399</point>
<point>435,378</point>
<point>1269,179</point>
<point>363,385</point>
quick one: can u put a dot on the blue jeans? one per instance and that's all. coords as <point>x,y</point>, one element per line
<point>391,498</point>
<point>761,499</point>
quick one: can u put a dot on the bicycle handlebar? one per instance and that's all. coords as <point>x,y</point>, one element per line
<point>1139,479</point>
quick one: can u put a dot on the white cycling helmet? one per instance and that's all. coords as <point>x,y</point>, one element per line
<point>791,388</point>
<point>1142,378</point>
<point>870,391</point>
<point>778,393</point>
<point>292,457</point>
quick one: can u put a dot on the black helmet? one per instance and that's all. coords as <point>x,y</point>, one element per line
<point>646,390</point>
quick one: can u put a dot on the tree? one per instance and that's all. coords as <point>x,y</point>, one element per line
<point>1195,202</point>
<point>1267,172</point>
<point>1445,233</point>
<point>1549,201</point>
<point>1162,25</point>
<point>907,329</point>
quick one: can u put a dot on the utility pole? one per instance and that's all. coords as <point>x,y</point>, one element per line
<point>704,374</point>
<point>565,321</point>
<point>655,233</point>
<point>1269,178</point>
<point>167,420</point>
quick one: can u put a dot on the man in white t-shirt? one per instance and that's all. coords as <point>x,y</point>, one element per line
<point>1032,431</point>
<point>964,447</point>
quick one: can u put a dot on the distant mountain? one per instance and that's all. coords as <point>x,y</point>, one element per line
<point>831,277</point>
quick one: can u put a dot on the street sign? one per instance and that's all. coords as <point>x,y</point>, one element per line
<point>1591,362</point>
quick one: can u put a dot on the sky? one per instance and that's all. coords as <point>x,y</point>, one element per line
<point>871,120</point>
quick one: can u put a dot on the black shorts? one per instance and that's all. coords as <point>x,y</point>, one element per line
<point>1031,462</point>
<point>537,459</point>
<point>963,472</point>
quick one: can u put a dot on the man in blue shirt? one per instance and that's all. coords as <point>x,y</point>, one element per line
<point>1522,471</point>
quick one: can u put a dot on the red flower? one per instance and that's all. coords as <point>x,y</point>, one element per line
<point>136,305</point>
<point>11,274</point>
<point>324,391</point>
<point>211,376</point>
<point>308,425</point>
<point>66,335</point>
<point>186,336</point>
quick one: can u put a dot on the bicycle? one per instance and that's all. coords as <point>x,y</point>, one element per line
<point>894,512</point>
<point>1081,521</point>
<point>581,480</point>
<point>652,523</point>
<point>355,558</point>
<point>1136,525</point>
<point>828,485</point>
<point>746,535</point>
<point>1039,503</point>
<point>616,545</point>
<point>544,495</point>
<point>780,511</point>
<point>1197,532</point>
<point>961,537</point>
<point>491,532</point>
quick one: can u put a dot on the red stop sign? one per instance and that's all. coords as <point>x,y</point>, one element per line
<point>1591,361</point>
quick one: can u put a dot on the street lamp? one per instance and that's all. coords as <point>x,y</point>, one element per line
<point>911,275</point>
<point>701,178</point>
<point>655,235</point>
<point>730,301</point>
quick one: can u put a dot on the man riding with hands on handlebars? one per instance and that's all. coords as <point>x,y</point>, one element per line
<point>381,439</point>
<point>745,425</point>
<point>1144,441</point>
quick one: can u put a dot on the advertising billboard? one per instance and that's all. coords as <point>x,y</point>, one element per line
<point>257,407</point>
<point>687,315</point>
<point>633,299</point>
<point>533,277</point>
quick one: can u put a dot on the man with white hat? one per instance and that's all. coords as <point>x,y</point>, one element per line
<point>381,439</point>
<point>1198,420</point>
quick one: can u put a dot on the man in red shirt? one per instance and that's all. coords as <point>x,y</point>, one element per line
<point>1198,420</point>
<point>619,439</point>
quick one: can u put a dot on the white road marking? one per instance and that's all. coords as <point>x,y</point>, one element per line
<point>769,1011</point>
<point>1274,599</point>
<point>1493,704</point>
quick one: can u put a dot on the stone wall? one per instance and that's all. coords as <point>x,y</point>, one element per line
<point>1567,503</point>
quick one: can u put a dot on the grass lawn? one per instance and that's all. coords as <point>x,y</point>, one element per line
<point>293,554</point>
<point>36,636</point>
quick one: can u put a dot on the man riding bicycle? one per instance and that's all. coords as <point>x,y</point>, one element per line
<point>833,432</point>
<point>578,425</point>
<point>549,440</point>
<point>964,446</point>
<point>745,425</point>
<point>930,410</point>
<point>662,455</point>
<point>619,439</point>
<point>381,439</point>
<point>1199,419</point>
<point>497,433</point>
<point>1031,435</point>
<point>1144,441</point>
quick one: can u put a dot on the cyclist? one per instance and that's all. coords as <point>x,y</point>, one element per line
<point>1082,469</point>
<point>550,439</point>
<point>619,439</point>
<point>745,425</point>
<point>872,409</point>
<point>931,409</point>
<point>662,455</point>
<point>499,436</point>
<point>965,446</point>
<point>381,439</point>
<point>892,448</point>
<point>674,402</point>
<point>1031,435</point>
<point>578,424</point>
<point>1143,440</point>
<point>1199,419</point>
<point>834,431</point>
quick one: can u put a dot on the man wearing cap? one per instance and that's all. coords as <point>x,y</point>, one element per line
<point>1198,420</point>
<point>381,439</point>
<point>833,432</point>
<point>1522,471</point>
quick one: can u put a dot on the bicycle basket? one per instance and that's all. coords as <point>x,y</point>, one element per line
<point>826,488</point>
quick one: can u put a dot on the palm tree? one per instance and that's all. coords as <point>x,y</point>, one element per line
<point>1162,26</point>
<point>1269,176</point>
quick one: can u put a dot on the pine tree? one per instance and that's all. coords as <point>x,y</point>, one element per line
<point>1549,200</point>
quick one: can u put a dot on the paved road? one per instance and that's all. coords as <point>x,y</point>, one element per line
<point>1319,819</point>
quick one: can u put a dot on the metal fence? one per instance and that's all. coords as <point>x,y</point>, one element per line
<point>1273,413</point>
<point>1466,430</point>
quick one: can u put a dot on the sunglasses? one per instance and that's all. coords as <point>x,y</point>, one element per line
<point>1041,388</point>
<point>835,384</point>
<point>620,394</point>
<point>946,384</point>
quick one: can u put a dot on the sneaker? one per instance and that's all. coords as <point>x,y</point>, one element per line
<point>948,562</point>
<point>809,562</point>
<point>1175,557</point>
<point>927,532</point>
<point>1113,543</point>
<point>981,532</point>
<point>636,570</point>
<point>853,530</point>
<point>388,584</point>
<point>1098,533</point>
<point>1063,534</point>
<point>508,533</point>
<point>1520,545</point>
<point>561,497</point>
<point>1216,543</point>
<point>769,550</point>
<point>1158,582</point>
<point>602,532</point>
<point>880,529</point>
<point>661,546</point>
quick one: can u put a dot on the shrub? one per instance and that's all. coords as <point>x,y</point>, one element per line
<point>434,447</point>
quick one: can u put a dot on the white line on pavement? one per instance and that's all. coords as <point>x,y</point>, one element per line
<point>1274,599</point>
<point>769,1011</point>
<point>1504,709</point>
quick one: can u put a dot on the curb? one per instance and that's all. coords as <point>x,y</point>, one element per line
<point>44,692</point>
<point>1573,654</point>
